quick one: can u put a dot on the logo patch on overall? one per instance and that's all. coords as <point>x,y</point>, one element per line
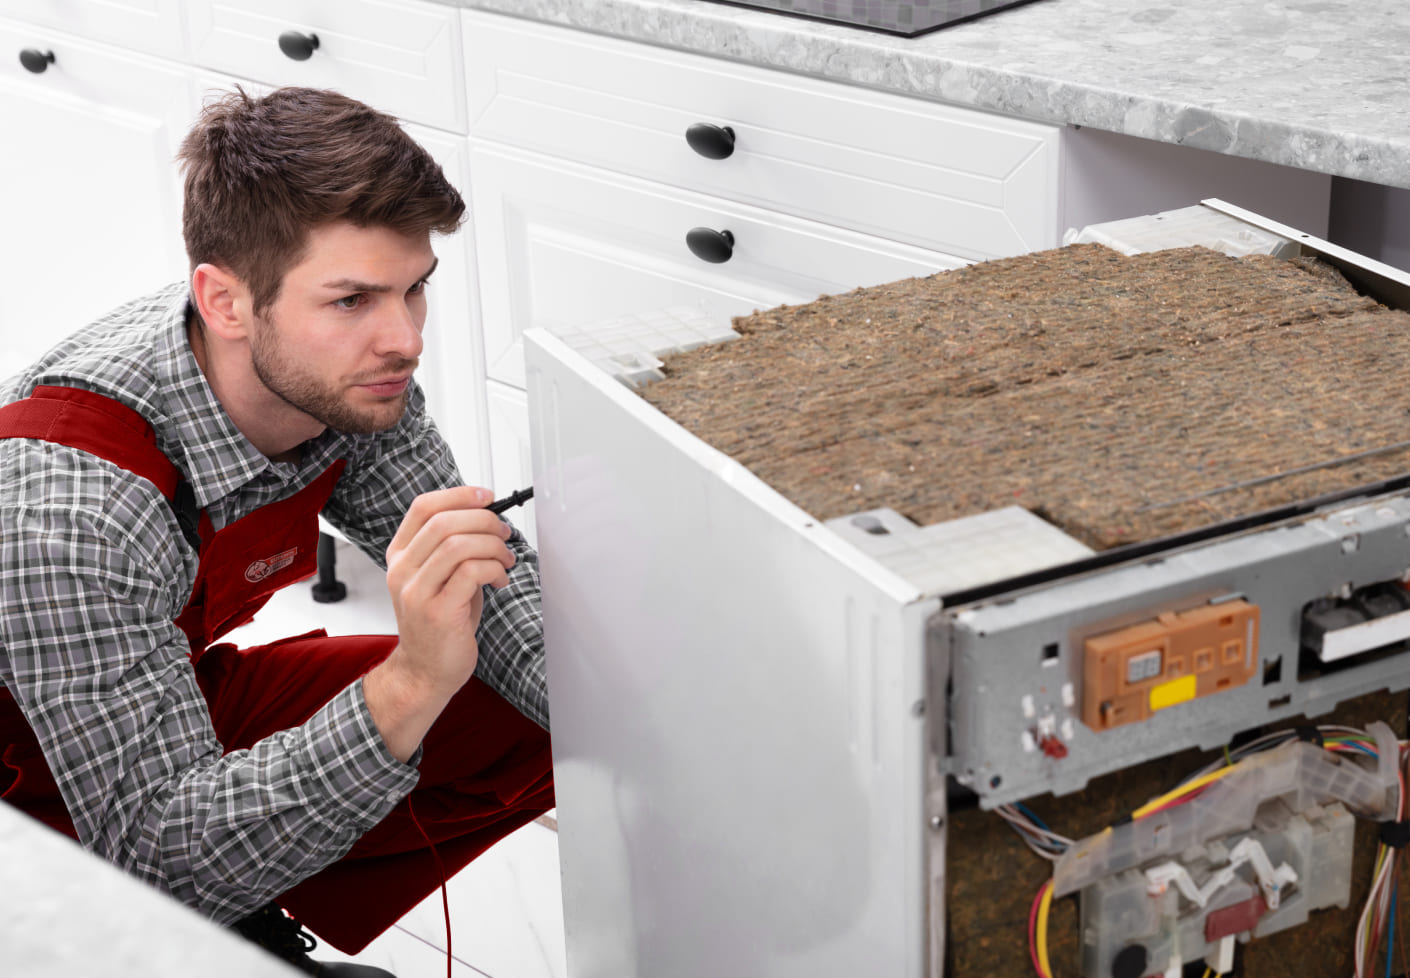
<point>262,569</point>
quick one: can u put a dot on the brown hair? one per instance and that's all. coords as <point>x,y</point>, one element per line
<point>263,172</point>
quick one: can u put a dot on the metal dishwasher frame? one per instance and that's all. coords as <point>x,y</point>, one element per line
<point>751,740</point>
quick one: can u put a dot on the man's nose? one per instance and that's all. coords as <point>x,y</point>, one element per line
<point>400,331</point>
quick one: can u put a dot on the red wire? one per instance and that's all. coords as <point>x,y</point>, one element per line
<point>1183,799</point>
<point>441,871</point>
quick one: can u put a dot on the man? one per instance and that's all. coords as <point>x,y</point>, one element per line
<point>164,470</point>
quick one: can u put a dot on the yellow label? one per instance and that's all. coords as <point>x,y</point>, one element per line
<point>1175,691</point>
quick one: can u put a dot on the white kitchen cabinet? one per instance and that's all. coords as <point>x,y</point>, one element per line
<point>936,176</point>
<point>88,189</point>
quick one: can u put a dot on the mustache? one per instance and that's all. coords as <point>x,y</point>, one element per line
<point>395,365</point>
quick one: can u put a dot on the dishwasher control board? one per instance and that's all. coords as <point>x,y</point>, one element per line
<point>1092,672</point>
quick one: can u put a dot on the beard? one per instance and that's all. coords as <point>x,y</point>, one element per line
<point>325,401</point>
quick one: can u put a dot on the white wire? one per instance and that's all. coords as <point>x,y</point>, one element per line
<point>1363,932</point>
<point>1044,842</point>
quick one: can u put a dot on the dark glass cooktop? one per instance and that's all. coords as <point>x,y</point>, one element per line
<point>905,17</point>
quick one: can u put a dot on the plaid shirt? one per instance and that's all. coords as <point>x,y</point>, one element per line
<point>93,572</point>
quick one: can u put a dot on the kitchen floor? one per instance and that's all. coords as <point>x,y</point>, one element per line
<point>506,908</point>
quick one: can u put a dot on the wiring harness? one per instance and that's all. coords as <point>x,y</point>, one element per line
<point>1305,768</point>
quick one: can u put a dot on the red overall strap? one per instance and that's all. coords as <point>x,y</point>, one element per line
<point>95,424</point>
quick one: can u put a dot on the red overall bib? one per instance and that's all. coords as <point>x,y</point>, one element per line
<point>485,770</point>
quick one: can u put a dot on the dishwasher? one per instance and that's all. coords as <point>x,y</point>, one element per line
<point>765,721</point>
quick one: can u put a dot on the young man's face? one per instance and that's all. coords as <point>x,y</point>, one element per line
<point>342,339</point>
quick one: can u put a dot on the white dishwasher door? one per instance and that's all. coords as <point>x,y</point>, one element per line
<point>739,716</point>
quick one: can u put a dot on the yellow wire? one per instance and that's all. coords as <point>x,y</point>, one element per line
<point>1042,929</point>
<point>1184,789</point>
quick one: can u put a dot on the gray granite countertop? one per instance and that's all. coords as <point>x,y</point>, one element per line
<point>1321,85</point>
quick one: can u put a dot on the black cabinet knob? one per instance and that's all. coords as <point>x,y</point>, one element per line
<point>36,60</point>
<point>298,46</point>
<point>710,141</point>
<point>710,245</point>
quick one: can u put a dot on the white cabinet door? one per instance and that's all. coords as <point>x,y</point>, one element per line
<point>88,190</point>
<point>566,245</point>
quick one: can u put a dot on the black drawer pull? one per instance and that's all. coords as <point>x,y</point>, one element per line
<point>710,245</point>
<point>711,142</point>
<point>298,46</point>
<point>36,60</point>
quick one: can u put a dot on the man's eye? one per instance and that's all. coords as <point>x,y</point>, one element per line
<point>349,301</point>
<point>418,288</point>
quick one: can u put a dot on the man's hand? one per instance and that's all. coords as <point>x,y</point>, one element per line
<point>447,549</point>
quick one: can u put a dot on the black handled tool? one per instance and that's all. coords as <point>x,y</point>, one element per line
<point>511,500</point>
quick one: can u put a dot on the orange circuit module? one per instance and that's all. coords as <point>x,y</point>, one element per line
<point>1175,657</point>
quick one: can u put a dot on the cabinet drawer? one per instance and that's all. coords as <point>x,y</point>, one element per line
<point>939,177</point>
<point>402,57</point>
<point>149,26</point>
<point>562,245</point>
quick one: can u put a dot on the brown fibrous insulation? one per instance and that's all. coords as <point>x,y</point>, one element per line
<point>1122,398</point>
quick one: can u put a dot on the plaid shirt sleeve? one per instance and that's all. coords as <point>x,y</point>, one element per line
<point>373,495</point>
<point>94,572</point>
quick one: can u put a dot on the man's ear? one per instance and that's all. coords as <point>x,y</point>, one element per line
<point>222,300</point>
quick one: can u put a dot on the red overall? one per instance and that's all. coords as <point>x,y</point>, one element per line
<point>485,771</point>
